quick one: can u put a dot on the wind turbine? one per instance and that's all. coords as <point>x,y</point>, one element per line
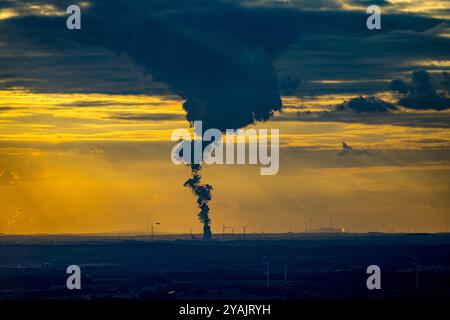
<point>244,228</point>
<point>285,273</point>
<point>417,271</point>
<point>156,199</point>
<point>223,231</point>
<point>266,262</point>
<point>153,227</point>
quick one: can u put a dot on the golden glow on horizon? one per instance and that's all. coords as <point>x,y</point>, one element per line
<point>58,118</point>
<point>84,163</point>
<point>35,9</point>
<point>433,8</point>
<point>431,63</point>
<point>7,14</point>
<point>69,117</point>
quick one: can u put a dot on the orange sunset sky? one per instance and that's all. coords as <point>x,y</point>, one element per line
<point>81,152</point>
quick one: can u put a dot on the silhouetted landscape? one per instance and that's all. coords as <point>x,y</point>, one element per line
<point>302,266</point>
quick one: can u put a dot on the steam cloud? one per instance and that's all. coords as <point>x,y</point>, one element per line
<point>203,194</point>
<point>224,72</point>
<point>217,55</point>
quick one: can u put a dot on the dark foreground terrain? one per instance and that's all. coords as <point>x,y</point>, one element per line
<point>315,266</point>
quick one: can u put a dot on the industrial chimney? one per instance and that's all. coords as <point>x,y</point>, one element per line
<point>207,232</point>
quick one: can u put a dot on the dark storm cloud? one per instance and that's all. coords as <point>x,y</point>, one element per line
<point>367,58</point>
<point>217,57</point>
<point>420,120</point>
<point>421,92</point>
<point>370,2</point>
<point>298,4</point>
<point>73,70</point>
<point>216,53</point>
<point>225,74</point>
<point>366,104</point>
<point>444,82</point>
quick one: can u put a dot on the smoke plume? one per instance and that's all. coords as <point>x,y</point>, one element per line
<point>217,55</point>
<point>224,72</point>
<point>203,194</point>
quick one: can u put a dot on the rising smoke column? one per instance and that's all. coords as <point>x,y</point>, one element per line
<point>217,55</point>
<point>203,194</point>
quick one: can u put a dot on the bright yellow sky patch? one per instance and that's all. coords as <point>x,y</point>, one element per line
<point>81,169</point>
